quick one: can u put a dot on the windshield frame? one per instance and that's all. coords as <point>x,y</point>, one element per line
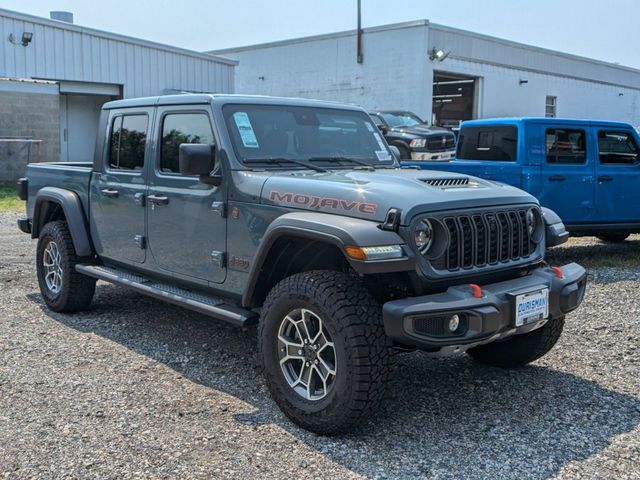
<point>228,110</point>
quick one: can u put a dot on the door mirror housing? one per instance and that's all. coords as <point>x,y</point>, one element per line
<point>382,128</point>
<point>198,159</point>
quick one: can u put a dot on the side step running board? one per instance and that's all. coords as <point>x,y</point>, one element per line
<point>199,302</point>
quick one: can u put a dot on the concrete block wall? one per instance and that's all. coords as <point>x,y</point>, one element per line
<point>28,110</point>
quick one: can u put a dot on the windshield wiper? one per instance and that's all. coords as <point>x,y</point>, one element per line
<point>302,163</point>
<point>339,158</point>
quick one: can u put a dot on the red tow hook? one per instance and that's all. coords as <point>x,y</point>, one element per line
<point>557,271</point>
<point>476,290</point>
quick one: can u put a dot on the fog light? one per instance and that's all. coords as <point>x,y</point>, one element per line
<point>454,323</point>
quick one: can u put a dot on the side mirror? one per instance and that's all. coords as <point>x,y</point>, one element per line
<point>382,128</point>
<point>198,159</point>
<point>396,151</point>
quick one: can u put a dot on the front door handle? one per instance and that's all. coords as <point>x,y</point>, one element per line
<point>605,178</point>
<point>107,192</point>
<point>557,178</point>
<point>157,199</point>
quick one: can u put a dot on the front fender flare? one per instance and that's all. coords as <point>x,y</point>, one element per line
<point>555,231</point>
<point>73,212</point>
<point>335,230</point>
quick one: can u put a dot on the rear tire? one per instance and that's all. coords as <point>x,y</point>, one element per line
<point>613,237</point>
<point>63,288</point>
<point>520,350</point>
<point>361,358</point>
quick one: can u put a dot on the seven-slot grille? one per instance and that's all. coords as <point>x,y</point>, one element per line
<point>481,239</point>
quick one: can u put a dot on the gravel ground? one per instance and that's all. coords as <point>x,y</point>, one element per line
<point>137,388</point>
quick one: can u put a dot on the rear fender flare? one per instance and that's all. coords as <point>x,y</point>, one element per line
<point>73,212</point>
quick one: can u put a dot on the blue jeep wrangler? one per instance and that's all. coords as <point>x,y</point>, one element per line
<point>588,172</point>
<point>295,215</point>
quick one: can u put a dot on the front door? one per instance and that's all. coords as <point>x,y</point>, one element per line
<point>186,218</point>
<point>618,176</point>
<point>567,175</point>
<point>118,189</point>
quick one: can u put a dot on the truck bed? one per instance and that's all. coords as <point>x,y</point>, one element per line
<point>74,176</point>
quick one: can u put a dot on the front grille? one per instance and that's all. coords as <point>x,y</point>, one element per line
<point>486,238</point>
<point>447,182</point>
<point>437,143</point>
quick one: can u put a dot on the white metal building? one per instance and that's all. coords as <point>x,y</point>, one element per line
<point>55,76</point>
<point>441,73</point>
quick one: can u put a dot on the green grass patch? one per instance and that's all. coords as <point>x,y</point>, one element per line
<point>9,201</point>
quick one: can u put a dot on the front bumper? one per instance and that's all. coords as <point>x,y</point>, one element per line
<point>433,156</point>
<point>422,321</point>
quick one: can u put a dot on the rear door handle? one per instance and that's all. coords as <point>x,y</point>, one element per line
<point>557,178</point>
<point>109,193</point>
<point>605,178</point>
<point>157,200</point>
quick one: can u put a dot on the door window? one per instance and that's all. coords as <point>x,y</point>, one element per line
<point>179,128</point>
<point>565,146</point>
<point>617,148</point>
<point>127,143</point>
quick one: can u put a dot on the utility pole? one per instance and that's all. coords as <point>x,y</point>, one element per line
<point>359,55</point>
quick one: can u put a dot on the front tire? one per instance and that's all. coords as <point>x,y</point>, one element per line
<point>520,350</point>
<point>324,352</point>
<point>613,237</point>
<point>63,288</point>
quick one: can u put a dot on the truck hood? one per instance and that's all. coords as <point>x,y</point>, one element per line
<point>370,194</point>
<point>421,130</point>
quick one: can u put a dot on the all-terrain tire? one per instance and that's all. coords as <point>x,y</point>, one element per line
<point>613,237</point>
<point>364,359</point>
<point>520,350</point>
<point>73,291</point>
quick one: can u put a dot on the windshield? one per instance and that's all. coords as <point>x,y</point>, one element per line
<point>283,132</point>
<point>402,119</point>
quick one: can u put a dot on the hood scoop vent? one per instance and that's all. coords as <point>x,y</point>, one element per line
<point>447,182</point>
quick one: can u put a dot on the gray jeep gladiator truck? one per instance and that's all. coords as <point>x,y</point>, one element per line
<point>295,215</point>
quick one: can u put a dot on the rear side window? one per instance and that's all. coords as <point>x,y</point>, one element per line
<point>178,128</point>
<point>488,143</point>
<point>617,148</point>
<point>128,141</point>
<point>565,146</point>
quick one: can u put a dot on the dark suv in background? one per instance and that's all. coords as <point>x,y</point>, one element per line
<point>415,139</point>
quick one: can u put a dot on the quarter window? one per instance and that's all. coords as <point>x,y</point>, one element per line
<point>488,143</point>
<point>128,141</point>
<point>565,146</point>
<point>179,128</point>
<point>618,148</point>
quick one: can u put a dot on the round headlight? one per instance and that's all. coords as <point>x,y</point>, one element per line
<point>423,235</point>
<point>531,221</point>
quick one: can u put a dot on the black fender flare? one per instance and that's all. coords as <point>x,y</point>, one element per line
<point>73,212</point>
<point>335,230</point>
<point>555,231</point>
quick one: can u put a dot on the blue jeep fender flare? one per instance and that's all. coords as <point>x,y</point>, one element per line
<point>73,212</point>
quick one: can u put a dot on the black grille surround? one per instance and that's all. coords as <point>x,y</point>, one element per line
<point>486,239</point>
<point>439,143</point>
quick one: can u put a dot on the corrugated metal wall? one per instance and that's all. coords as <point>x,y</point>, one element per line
<point>61,51</point>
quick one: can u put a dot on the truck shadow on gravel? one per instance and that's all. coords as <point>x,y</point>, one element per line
<point>446,418</point>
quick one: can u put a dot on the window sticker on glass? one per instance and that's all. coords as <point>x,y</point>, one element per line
<point>247,134</point>
<point>380,142</point>
<point>383,155</point>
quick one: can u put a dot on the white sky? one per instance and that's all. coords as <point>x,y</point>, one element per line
<point>607,31</point>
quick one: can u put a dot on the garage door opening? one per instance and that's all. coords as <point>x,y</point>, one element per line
<point>454,99</point>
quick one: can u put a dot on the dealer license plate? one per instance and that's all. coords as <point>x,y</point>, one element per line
<point>532,306</point>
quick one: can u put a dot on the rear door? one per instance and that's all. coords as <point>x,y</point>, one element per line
<point>185,217</point>
<point>617,176</point>
<point>118,188</point>
<point>567,174</point>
